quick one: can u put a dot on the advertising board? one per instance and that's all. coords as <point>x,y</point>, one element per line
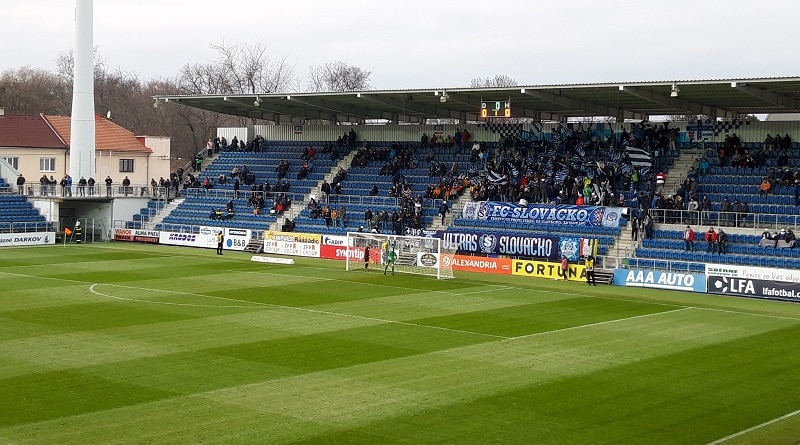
<point>660,280</point>
<point>27,239</point>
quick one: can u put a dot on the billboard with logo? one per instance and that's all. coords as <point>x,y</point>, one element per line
<point>292,243</point>
<point>544,214</point>
<point>123,234</point>
<point>427,259</point>
<point>491,243</point>
<point>146,236</point>
<point>542,269</point>
<point>660,280</point>
<point>759,282</point>
<point>204,240</point>
<point>499,266</point>
<point>137,235</point>
<point>237,239</point>
<point>27,239</point>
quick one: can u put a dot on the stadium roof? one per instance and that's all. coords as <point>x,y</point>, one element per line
<point>722,98</point>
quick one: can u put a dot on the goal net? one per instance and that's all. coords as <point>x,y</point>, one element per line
<point>414,254</point>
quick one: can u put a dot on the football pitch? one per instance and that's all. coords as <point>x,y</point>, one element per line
<point>124,343</point>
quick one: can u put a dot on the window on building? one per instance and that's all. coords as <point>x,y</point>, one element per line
<point>14,162</point>
<point>126,165</point>
<point>47,164</point>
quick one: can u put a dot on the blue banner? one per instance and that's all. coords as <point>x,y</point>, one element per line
<point>488,243</point>
<point>544,214</point>
<point>660,280</point>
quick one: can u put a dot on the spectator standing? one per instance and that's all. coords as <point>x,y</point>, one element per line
<point>21,184</point>
<point>688,239</point>
<point>108,181</point>
<point>444,209</point>
<point>648,226</point>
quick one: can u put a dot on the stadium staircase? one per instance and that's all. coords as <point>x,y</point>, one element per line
<point>165,210</point>
<point>255,246</point>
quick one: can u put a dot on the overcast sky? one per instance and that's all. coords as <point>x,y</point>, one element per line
<point>428,44</point>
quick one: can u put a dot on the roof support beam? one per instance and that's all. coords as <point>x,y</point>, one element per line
<point>681,106</point>
<point>767,96</point>
<point>572,104</point>
<point>403,102</point>
<point>340,109</point>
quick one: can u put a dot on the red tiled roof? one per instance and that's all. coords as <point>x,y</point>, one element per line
<point>108,135</point>
<point>27,131</point>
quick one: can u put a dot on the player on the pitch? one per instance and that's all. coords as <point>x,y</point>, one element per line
<point>391,257</point>
<point>366,257</point>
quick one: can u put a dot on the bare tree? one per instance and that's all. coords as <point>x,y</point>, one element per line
<point>338,77</point>
<point>498,81</point>
<point>240,69</point>
<point>32,91</point>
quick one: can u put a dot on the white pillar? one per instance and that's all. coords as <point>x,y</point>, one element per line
<point>82,128</point>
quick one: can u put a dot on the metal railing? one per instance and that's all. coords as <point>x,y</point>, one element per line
<point>755,221</point>
<point>98,191</point>
<point>19,227</point>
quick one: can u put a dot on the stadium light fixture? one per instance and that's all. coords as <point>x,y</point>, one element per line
<point>443,98</point>
<point>675,90</point>
<point>257,102</point>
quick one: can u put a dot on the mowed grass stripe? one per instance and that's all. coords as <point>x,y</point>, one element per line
<point>392,387</point>
<point>178,421</point>
<point>526,319</point>
<point>56,394</point>
<point>689,397</point>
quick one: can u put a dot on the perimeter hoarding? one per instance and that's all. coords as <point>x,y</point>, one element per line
<point>757,282</point>
<point>292,243</point>
<point>27,239</point>
<point>237,239</point>
<point>203,240</point>
<point>137,235</point>
<point>498,266</point>
<point>542,269</point>
<point>660,280</point>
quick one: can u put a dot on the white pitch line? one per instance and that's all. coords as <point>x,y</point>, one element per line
<point>96,292</point>
<point>496,289</point>
<point>753,428</point>
<point>755,314</point>
<point>599,323</point>
<point>279,306</point>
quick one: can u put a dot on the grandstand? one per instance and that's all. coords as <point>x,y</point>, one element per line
<point>770,211</point>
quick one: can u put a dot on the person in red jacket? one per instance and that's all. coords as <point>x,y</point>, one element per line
<point>711,241</point>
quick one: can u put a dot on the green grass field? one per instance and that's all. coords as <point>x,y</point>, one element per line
<point>124,343</point>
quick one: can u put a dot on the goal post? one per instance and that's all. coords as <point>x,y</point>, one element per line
<point>414,254</point>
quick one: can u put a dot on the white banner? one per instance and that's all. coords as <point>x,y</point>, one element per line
<point>27,239</point>
<point>334,240</point>
<point>237,239</point>
<point>207,240</point>
<point>755,273</point>
<point>427,259</point>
